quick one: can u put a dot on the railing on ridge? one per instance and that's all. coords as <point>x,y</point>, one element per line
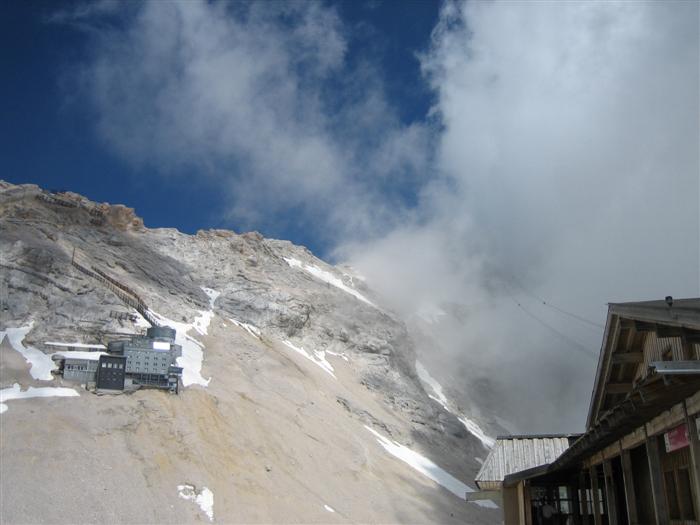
<point>126,294</point>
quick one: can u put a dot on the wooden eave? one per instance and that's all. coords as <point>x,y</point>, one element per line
<point>621,352</point>
<point>649,398</point>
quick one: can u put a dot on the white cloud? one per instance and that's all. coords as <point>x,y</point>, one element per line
<point>562,149</point>
<point>240,93</point>
<point>569,159</point>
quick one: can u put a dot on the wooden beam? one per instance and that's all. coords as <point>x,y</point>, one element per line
<point>626,323</point>
<point>628,357</point>
<point>630,496</point>
<point>657,484</point>
<point>642,326</point>
<point>585,517</point>
<point>694,454</point>
<point>692,336</point>
<point>610,493</point>
<point>618,388</point>
<point>597,518</point>
<point>668,331</point>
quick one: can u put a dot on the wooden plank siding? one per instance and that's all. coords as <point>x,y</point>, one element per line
<point>661,423</point>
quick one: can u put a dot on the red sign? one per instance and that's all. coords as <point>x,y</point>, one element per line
<point>677,438</point>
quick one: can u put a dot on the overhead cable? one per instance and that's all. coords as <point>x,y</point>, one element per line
<point>574,344</point>
<point>555,307</point>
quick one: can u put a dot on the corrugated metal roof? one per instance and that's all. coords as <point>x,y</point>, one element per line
<point>512,454</point>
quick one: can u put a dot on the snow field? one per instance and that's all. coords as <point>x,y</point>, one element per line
<point>328,277</point>
<point>319,358</point>
<point>427,468</point>
<point>192,350</point>
<point>75,345</point>
<point>76,354</point>
<point>471,425</point>
<point>15,392</point>
<point>203,498</point>
<point>41,363</point>
<point>251,329</point>
<point>343,355</point>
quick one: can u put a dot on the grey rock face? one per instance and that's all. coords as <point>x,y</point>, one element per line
<point>39,237</point>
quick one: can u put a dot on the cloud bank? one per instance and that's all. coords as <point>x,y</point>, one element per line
<point>559,162</point>
<point>568,165</point>
<point>259,99</point>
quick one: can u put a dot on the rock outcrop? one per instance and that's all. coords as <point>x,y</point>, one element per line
<point>301,355</point>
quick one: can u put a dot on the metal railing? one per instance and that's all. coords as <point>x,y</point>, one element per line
<point>126,294</point>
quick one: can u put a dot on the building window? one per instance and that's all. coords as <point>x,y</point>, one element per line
<point>679,494</point>
<point>672,495</point>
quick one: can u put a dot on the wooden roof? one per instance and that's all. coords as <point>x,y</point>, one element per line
<point>630,329</point>
<point>516,453</point>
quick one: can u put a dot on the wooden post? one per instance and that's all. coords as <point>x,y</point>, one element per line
<point>610,499</point>
<point>694,455</point>
<point>628,478</point>
<point>597,518</point>
<point>657,484</point>
<point>584,498</point>
<point>575,500</point>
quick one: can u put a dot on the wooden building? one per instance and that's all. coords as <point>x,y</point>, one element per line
<point>639,460</point>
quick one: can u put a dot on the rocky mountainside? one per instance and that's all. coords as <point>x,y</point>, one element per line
<point>302,401</point>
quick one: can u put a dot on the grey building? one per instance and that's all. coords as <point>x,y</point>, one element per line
<point>148,360</point>
<point>151,360</point>
<point>79,370</point>
<point>110,372</point>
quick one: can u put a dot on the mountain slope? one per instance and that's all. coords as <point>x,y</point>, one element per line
<point>300,389</point>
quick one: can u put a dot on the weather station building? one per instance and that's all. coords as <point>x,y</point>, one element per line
<point>638,462</point>
<point>141,361</point>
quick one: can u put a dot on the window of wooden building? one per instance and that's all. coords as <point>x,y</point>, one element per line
<point>678,485</point>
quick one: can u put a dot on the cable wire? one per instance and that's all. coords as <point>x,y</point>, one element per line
<point>575,344</point>
<point>555,307</point>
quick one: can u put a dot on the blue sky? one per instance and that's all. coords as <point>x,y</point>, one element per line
<point>48,130</point>
<point>479,154</point>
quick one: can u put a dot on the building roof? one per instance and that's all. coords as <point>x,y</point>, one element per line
<point>515,453</point>
<point>681,318</point>
<point>682,313</point>
<point>663,384</point>
<point>651,397</point>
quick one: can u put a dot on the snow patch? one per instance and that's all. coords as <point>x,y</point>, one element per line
<point>471,425</point>
<point>192,350</point>
<point>474,428</point>
<point>203,498</point>
<point>436,387</point>
<point>329,508</point>
<point>75,345</point>
<point>427,468</point>
<point>41,364</point>
<point>15,392</point>
<point>251,329</point>
<point>76,354</point>
<point>329,278</point>
<point>342,355</point>
<point>212,294</point>
<point>202,321</point>
<point>318,358</point>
